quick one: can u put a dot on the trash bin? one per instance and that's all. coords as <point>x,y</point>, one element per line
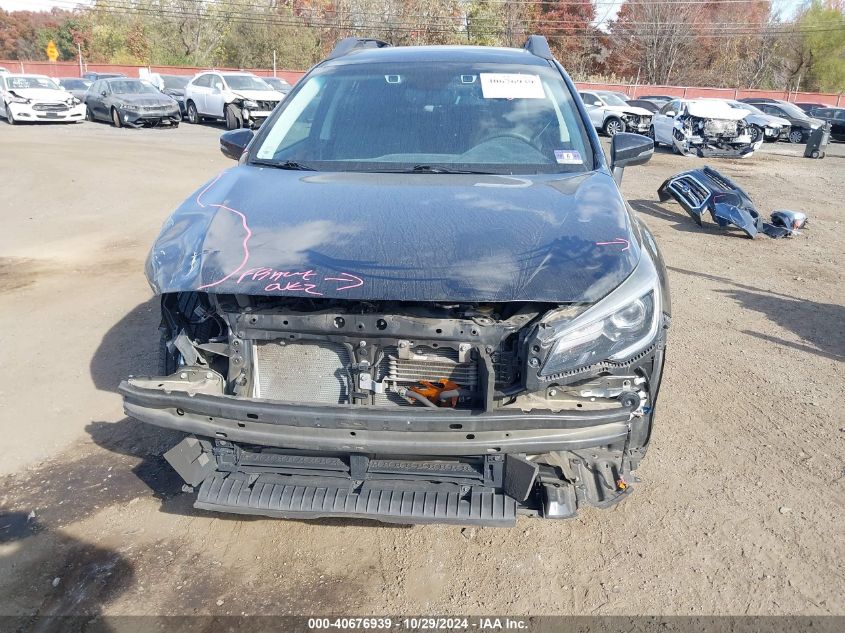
<point>819,138</point>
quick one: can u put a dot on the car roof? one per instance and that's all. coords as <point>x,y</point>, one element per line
<point>27,75</point>
<point>434,54</point>
<point>111,79</point>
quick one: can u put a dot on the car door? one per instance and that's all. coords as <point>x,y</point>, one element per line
<point>215,99</point>
<point>93,98</point>
<point>2,96</point>
<point>837,123</point>
<point>664,122</point>
<point>101,98</point>
<point>196,92</point>
<point>595,108</point>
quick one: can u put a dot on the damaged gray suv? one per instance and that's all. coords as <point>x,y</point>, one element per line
<point>418,297</point>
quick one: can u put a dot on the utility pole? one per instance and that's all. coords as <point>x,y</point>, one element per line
<point>79,51</point>
<point>274,62</point>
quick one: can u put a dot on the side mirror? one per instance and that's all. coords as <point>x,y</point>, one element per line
<point>669,113</point>
<point>629,149</point>
<point>234,142</point>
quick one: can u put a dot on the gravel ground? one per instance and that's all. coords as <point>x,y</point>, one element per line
<point>740,509</point>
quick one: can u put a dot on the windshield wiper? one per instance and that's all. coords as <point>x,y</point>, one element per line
<point>285,164</point>
<point>430,169</point>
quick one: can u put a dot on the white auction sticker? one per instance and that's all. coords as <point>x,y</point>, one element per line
<point>511,86</point>
<point>568,157</point>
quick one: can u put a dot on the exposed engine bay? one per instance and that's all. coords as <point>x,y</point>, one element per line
<point>360,367</point>
<point>713,137</point>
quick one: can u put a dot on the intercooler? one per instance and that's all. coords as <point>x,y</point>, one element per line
<point>320,372</point>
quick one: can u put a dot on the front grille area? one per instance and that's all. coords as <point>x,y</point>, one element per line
<point>322,372</point>
<point>51,107</point>
<point>719,127</point>
<point>266,106</point>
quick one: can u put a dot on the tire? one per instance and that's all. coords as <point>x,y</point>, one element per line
<point>115,118</point>
<point>613,126</point>
<point>796,136</point>
<point>234,118</point>
<point>652,136</point>
<point>89,116</point>
<point>10,118</point>
<point>756,133</point>
<point>193,115</point>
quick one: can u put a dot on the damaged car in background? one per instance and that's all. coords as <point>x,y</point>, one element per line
<point>705,128</point>
<point>419,297</point>
<point>611,113</point>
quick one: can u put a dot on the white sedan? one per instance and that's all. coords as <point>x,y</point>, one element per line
<point>37,98</point>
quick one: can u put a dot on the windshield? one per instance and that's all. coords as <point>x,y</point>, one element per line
<point>612,99</point>
<point>130,87</point>
<point>174,82</point>
<point>792,110</point>
<point>739,105</point>
<point>278,84</point>
<point>75,84</point>
<point>245,82</point>
<point>22,83</point>
<point>493,118</point>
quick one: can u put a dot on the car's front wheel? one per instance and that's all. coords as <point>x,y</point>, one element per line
<point>614,126</point>
<point>10,118</point>
<point>796,136</point>
<point>115,118</point>
<point>755,132</point>
<point>651,135</point>
<point>234,117</point>
<point>89,115</point>
<point>193,115</point>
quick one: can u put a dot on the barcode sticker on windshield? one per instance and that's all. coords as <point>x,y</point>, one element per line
<point>568,157</point>
<point>511,86</point>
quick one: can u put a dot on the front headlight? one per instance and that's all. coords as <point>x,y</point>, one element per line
<point>129,107</point>
<point>17,99</point>
<point>250,104</point>
<point>615,329</point>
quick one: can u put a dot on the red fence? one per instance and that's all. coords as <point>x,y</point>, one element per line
<point>71,69</point>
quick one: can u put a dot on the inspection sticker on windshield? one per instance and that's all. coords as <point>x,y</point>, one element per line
<point>568,157</point>
<point>511,86</point>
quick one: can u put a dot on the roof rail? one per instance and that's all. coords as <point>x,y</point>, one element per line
<point>349,44</point>
<point>538,45</point>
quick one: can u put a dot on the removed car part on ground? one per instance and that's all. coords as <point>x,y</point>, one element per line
<point>700,190</point>
<point>325,363</point>
<point>708,128</point>
<point>37,98</point>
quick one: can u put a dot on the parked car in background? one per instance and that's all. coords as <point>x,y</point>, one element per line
<point>92,76</point>
<point>703,127</point>
<point>173,86</point>
<point>3,70</point>
<point>37,98</point>
<point>645,104</point>
<point>807,106</point>
<point>611,114</point>
<point>835,117</point>
<point>325,360</point>
<point>131,102</point>
<point>75,86</point>
<point>659,100</point>
<point>241,99</point>
<point>770,127</point>
<point>801,125</point>
<point>278,84</point>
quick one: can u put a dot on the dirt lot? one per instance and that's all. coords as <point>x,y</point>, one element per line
<point>740,510</point>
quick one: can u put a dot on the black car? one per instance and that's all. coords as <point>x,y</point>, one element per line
<point>801,125</point>
<point>277,83</point>
<point>130,102</point>
<point>807,106</point>
<point>174,86</point>
<point>419,297</point>
<point>75,86</point>
<point>658,100</point>
<point>92,76</point>
<point>835,117</point>
<point>651,106</point>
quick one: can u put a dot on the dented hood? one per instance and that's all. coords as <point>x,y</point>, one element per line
<point>713,109</point>
<point>42,95</point>
<point>415,237</point>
